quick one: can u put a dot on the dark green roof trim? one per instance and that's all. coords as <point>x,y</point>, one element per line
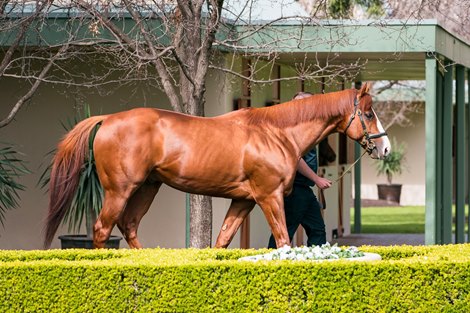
<point>397,37</point>
<point>385,37</point>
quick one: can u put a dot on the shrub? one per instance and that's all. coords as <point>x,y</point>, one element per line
<point>419,279</point>
<point>393,164</point>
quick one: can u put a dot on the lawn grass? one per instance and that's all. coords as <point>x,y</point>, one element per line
<point>391,220</point>
<point>396,219</point>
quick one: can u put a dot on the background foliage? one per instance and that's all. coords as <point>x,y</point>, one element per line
<point>12,167</point>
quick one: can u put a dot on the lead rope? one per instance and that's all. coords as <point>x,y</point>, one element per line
<point>322,195</point>
<point>350,167</point>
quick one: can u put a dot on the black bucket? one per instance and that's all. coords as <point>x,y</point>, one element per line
<point>83,242</point>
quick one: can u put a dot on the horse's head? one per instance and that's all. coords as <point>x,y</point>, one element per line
<point>364,126</point>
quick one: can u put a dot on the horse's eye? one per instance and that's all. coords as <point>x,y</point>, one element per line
<point>369,115</point>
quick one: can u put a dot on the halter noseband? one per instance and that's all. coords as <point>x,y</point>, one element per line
<point>366,141</point>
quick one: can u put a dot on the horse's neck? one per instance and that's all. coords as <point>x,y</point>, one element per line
<point>315,125</point>
<point>308,134</point>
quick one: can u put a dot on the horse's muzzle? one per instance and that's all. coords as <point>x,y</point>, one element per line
<point>375,151</point>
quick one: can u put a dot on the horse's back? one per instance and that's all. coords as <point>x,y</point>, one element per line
<point>175,148</point>
<point>213,156</point>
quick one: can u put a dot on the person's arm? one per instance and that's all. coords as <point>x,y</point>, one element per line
<point>305,170</point>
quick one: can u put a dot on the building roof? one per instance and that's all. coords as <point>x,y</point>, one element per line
<point>393,50</point>
<point>382,49</point>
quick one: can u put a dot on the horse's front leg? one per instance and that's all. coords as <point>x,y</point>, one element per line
<point>236,214</point>
<point>273,209</point>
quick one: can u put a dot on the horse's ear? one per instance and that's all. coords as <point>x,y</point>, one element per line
<point>364,90</point>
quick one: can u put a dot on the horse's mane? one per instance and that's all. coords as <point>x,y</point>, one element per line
<point>321,106</point>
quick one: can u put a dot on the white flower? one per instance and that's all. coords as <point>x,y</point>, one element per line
<point>325,251</point>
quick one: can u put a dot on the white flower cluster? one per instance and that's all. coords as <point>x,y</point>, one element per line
<point>324,252</point>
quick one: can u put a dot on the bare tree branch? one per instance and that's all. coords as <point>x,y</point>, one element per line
<point>26,97</point>
<point>405,101</point>
<point>25,24</point>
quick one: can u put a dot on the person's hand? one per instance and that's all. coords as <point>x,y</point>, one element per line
<point>322,183</point>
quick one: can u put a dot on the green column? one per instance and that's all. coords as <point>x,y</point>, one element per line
<point>431,149</point>
<point>357,189</point>
<point>447,162</point>
<point>357,181</point>
<point>460,155</point>
<point>438,178</point>
<point>468,152</point>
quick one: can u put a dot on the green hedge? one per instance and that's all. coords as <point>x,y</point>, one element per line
<point>408,279</point>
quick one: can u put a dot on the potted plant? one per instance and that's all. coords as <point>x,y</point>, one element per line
<point>87,201</point>
<point>11,168</point>
<point>391,166</point>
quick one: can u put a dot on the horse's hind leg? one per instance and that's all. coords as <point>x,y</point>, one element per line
<point>236,214</point>
<point>136,208</point>
<point>113,206</point>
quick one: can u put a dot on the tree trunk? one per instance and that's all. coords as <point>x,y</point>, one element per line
<point>200,230</point>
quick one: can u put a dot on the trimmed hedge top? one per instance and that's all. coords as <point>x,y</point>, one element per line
<point>184,257</point>
<point>407,279</point>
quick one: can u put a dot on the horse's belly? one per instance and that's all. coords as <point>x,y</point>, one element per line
<point>231,190</point>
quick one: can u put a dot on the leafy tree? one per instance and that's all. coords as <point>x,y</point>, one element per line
<point>343,9</point>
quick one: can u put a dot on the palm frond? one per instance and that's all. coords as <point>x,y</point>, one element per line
<point>393,164</point>
<point>12,167</point>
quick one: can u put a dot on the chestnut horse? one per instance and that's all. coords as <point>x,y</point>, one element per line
<point>249,155</point>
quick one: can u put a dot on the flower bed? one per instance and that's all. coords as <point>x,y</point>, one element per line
<point>316,253</point>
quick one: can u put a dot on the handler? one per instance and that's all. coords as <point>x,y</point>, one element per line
<point>301,206</point>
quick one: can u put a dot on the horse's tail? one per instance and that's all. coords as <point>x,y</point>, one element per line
<point>66,166</point>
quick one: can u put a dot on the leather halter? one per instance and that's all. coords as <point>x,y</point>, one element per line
<point>366,141</point>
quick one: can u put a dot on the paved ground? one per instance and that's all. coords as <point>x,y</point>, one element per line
<point>376,202</point>
<point>380,240</point>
